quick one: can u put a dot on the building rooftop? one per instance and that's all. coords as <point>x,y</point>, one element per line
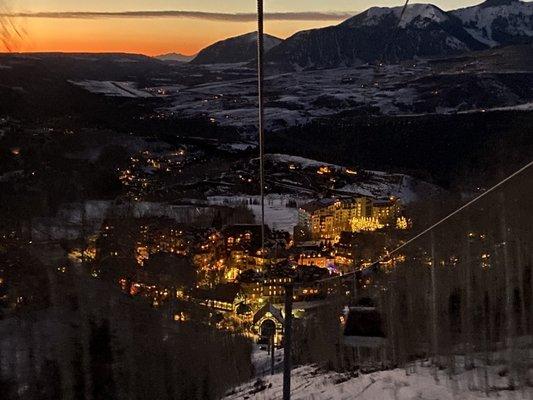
<point>226,293</point>
<point>384,202</point>
<point>317,205</point>
<point>269,308</point>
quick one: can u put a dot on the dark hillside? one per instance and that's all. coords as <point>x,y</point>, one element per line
<point>444,148</point>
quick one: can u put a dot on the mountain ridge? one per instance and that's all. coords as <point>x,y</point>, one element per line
<point>378,35</point>
<point>499,22</point>
<point>242,48</point>
<point>175,57</point>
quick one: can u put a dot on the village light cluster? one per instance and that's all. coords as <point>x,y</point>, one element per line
<point>225,276</point>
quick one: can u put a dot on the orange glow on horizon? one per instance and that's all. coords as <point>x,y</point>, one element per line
<point>150,36</point>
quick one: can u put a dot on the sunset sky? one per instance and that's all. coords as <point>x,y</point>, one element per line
<point>73,26</point>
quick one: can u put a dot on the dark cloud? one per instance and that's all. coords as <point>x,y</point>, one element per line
<point>237,17</point>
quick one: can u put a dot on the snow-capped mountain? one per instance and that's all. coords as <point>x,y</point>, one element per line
<point>175,57</point>
<point>499,22</point>
<point>421,14</point>
<point>378,34</point>
<point>237,49</point>
<point>385,34</point>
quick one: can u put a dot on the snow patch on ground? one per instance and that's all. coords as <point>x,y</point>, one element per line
<point>237,147</point>
<point>518,107</point>
<point>377,184</point>
<point>301,161</point>
<point>277,215</point>
<point>112,88</point>
<point>404,187</point>
<point>309,383</point>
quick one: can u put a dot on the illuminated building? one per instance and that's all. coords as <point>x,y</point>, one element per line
<point>327,218</point>
<point>268,321</point>
<point>317,259</point>
<point>226,297</point>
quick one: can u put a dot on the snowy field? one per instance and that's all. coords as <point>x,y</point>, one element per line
<point>416,88</point>
<point>277,215</point>
<point>312,94</point>
<point>308,383</point>
<point>112,88</point>
<point>226,94</point>
<point>386,89</point>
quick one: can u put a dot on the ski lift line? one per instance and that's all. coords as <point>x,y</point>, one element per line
<point>386,48</point>
<point>464,206</point>
<point>457,264</point>
<point>425,231</point>
<point>261,116</point>
<point>403,12</point>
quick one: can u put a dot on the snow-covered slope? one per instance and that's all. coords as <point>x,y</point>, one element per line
<point>376,184</point>
<point>499,22</point>
<point>421,14</point>
<point>308,383</point>
<point>237,49</point>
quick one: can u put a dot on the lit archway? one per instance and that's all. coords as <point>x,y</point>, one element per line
<point>268,328</point>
